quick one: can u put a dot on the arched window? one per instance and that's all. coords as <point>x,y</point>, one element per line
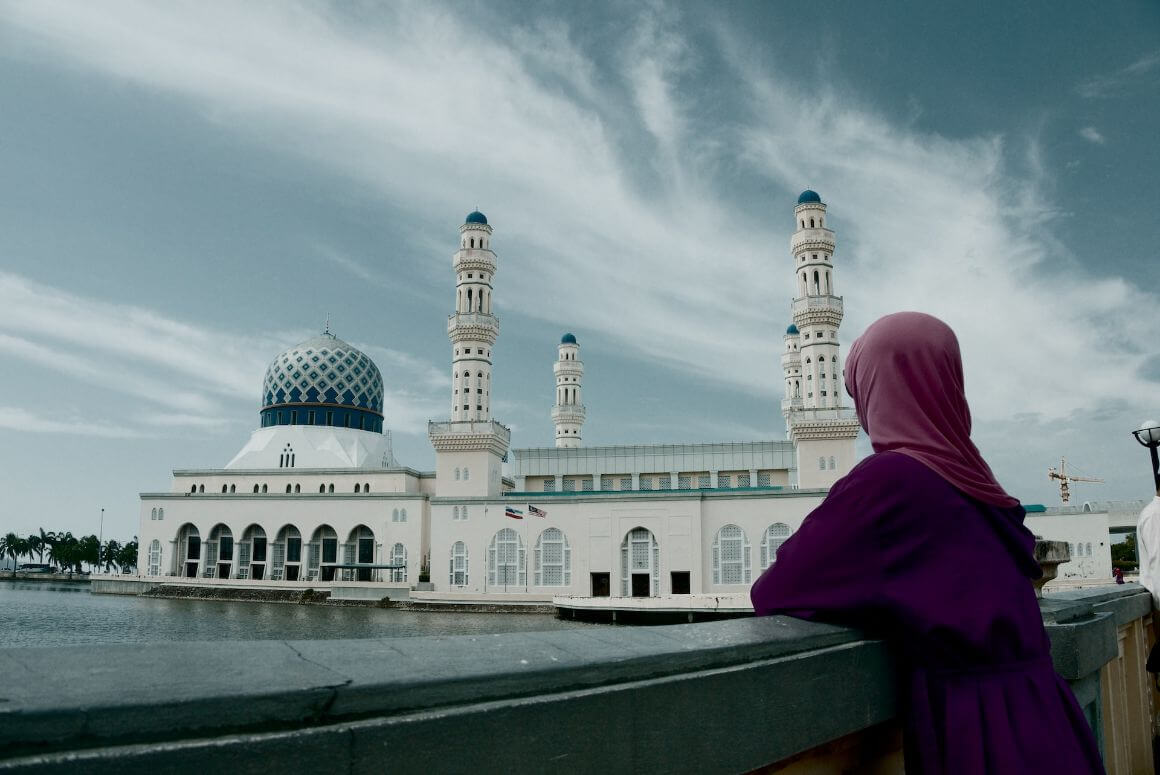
<point>153,515</point>
<point>322,488</point>
<point>821,464</point>
<point>255,489</point>
<point>357,487</point>
<point>263,488</point>
<point>472,242</point>
<point>160,514</point>
<point>811,223</point>
<point>731,556</point>
<point>457,474</point>
<point>833,463</point>
<point>817,284</point>
<point>330,488</point>
<point>771,540</point>
<point>506,560</point>
<point>399,557</point>
<point>459,568</point>
<point>394,515</point>
<point>469,302</point>
<point>1071,549</point>
<point>402,515</point>
<point>466,474</point>
<point>193,489</point>
<point>223,489</point>
<point>155,558</point>
<point>1088,550</point>
<point>640,556</point>
<point>366,486</point>
<point>288,489</point>
<point>553,559</point>
<point>297,488</point>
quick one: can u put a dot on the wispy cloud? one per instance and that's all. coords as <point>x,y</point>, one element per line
<point>14,418</point>
<point>1092,134</point>
<point>1119,82</point>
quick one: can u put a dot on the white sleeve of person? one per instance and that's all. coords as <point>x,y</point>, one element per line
<point>1148,549</point>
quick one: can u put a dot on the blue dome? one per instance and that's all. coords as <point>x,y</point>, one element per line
<point>568,339</point>
<point>809,196</point>
<point>792,329</point>
<point>475,216</point>
<point>324,372</point>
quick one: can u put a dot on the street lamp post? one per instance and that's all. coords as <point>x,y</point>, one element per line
<point>101,539</point>
<point>1148,434</point>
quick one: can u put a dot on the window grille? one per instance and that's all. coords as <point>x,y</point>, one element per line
<point>666,483</point>
<point>506,561</point>
<point>606,483</point>
<point>626,482</point>
<point>459,567</point>
<point>313,553</point>
<point>553,559</point>
<point>279,560</point>
<point>243,555</point>
<point>742,480</point>
<point>703,481</point>
<point>569,485</point>
<point>586,484</point>
<point>399,557</point>
<point>684,482</point>
<point>550,484</point>
<point>771,540</point>
<point>646,483</point>
<point>724,480</point>
<point>155,558</point>
<point>731,556</point>
<point>763,479</point>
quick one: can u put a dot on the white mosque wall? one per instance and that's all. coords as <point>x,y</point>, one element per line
<point>313,446</point>
<point>684,527</point>
<point>305,481</point>
<point>1087,536</point>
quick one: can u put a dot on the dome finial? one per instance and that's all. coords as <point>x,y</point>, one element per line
<point>327,329</point>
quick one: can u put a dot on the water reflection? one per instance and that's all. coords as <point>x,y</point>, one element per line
<point>47,614</point>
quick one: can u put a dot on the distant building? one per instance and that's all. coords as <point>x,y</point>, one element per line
<point>316,495</point>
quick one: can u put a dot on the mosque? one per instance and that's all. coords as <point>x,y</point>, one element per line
<point>316,497</point>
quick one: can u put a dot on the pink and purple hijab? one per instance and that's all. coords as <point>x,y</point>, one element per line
<point>905,375</point>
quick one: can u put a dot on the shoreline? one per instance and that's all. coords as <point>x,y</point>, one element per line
<point>75,578</point>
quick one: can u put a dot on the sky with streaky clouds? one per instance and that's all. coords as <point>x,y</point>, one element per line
<point>187,188</point>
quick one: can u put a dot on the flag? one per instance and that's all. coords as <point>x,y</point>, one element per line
<point>536,512</point>
<point>514,513</point>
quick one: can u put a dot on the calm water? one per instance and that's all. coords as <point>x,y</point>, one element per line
<point>47,614</point>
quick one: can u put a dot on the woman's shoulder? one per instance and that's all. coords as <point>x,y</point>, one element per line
<point>885,466</point>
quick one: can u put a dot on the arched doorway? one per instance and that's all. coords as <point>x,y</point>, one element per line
<point>322,554</point>
<point>286,554</point>
<point>359,548</point>
<point>252,554</point>
<point>188,552</point>
<point>640,564</point>
<point>219,552</point>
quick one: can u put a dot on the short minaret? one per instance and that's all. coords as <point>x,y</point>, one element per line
<point>568,413</point>
<point>816,419</point>
<point>470,447</point>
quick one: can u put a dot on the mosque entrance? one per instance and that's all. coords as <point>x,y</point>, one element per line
<point>189,542</point>
<point>366,553</point>
<point>641,584</point>
<point>639,564</point>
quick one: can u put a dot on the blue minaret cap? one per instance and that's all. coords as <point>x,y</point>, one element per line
<point>809,196</point>
<point>475,216</point>
<point>792,329</point>
<point>568,339</point>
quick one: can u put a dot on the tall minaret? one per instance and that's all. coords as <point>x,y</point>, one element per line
<point>470,448</point>
<point>821,427</point>
<point>568,413</point>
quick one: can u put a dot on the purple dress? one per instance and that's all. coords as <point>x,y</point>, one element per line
<point>896,550</point>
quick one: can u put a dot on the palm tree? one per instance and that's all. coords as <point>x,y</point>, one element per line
<point>127,557</point>
<point>34,545</point>
<point>109,554</point>
<point>10,545</point>
<point>46,540</point>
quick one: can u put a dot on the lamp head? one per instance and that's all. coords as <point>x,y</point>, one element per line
<point>1148,434</point>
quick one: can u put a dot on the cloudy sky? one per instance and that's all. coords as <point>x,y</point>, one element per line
<point>187,188</point>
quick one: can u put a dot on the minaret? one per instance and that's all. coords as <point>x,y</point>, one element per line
<point>568,413</point>
<point>816,419</point>
<point>470,447</point>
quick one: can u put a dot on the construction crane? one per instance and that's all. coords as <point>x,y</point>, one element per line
<point>1064,477</point>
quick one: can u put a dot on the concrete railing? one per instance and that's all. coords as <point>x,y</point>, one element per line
<point>728,696</point>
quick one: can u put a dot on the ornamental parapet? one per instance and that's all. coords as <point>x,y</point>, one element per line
<point>570,368</point>
<point>473,326</point>
<point>466,435</point>
<point>836,423</point>
<point>812,239</point>
<point>468,260</point>
<point>791,358</point>
<point>569,413</point>
<point>810,304</point>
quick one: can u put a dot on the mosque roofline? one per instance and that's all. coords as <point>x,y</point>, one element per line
<point>299,471</point>
<point>776,491</point>
<point>595,451</point>
<point>234,496</point>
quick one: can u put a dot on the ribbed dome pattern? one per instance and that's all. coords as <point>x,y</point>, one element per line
<point>326,371</point>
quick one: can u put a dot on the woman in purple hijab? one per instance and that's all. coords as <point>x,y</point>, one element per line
<point>920,545</point>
